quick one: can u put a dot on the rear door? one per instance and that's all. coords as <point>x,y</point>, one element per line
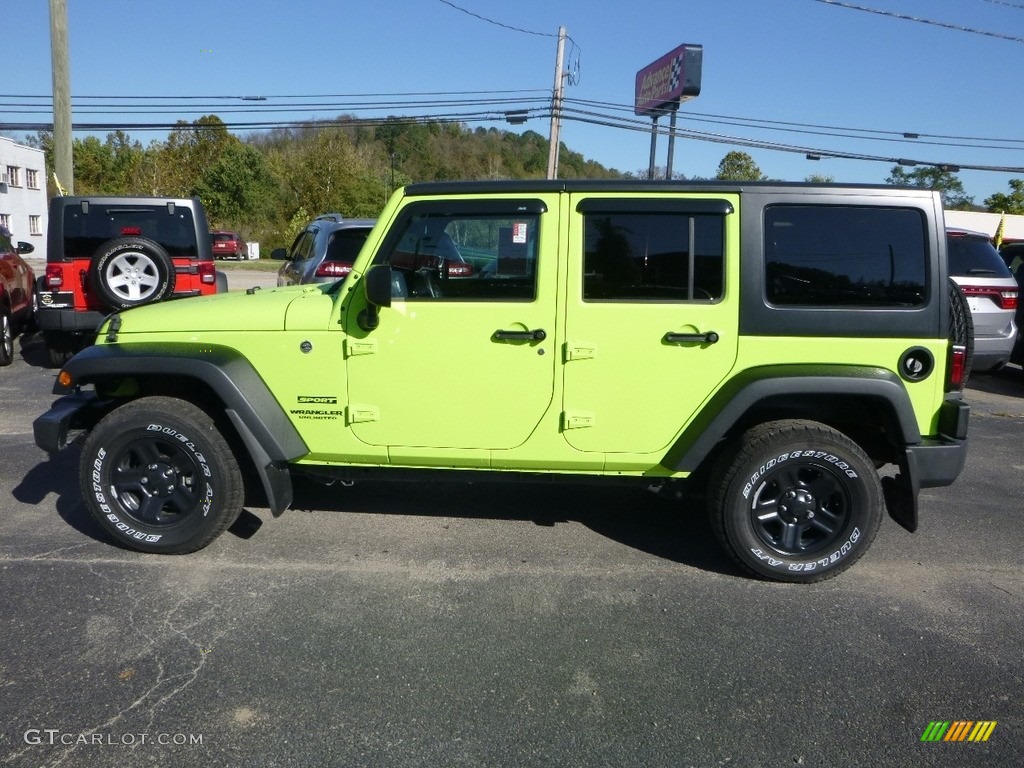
<point>651,317</point>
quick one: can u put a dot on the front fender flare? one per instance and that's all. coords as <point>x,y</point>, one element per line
<point>264,427</point>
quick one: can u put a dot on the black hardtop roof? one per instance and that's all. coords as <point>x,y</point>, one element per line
<point>524,186</point>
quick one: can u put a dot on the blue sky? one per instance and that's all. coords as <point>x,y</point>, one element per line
<point>795,62</point>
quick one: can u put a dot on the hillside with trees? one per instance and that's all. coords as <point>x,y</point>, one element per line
<point>268,185</point>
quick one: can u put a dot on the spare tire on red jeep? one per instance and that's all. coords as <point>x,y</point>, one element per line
<point>129,271</point>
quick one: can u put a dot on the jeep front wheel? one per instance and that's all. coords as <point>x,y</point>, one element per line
<point>130,271</point>
<point>159,476</point>
<point>796,501</point>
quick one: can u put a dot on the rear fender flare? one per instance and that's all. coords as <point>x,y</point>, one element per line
<point>757,385</point>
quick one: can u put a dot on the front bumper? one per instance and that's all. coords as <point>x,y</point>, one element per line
<point>69,414</point>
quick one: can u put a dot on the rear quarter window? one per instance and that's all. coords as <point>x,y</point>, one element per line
<point>844,256</point>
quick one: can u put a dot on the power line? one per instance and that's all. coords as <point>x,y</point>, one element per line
<point>866,134</point>
<point>1009,5</point>
<point>157,105</point>
<point>496,23</point>
<point>48,96</point>
<point>905,17</point>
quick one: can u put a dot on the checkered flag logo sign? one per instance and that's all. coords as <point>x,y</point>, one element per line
<point>677,71</point>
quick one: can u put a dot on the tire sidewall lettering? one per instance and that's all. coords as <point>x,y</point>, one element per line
<point>778,562</point>
<point>817,455</point>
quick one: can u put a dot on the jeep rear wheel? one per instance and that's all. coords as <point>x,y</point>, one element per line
<point>797,501</point>
<point>130,271</point>
<point>159,476</point>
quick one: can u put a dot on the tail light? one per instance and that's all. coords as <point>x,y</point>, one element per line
<point>54,276</point>
<point>1004,298</point>
<point>957,367</point>
<point>333,269</point>
<point>459,269</point>
<point>207,273</point>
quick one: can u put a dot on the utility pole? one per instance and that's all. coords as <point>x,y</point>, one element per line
<point>556,109</point>
<point>62,157</point>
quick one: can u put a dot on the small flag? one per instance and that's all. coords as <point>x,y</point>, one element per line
<point>997,239</point>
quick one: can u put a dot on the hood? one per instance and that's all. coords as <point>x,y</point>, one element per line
<point>261,310</point>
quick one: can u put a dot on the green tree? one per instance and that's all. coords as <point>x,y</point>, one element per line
<point>237,188</point>
<point>818,178</point>
<point>739,166</point>
<point>1011,203</point>
<point>948,184</point>
<point>190,149</point>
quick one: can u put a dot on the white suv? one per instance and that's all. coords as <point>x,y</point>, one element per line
<point>976,266</point>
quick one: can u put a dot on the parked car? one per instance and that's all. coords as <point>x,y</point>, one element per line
<point>17,287</point>
<point>991,291</point>
<point>1012,252</point>
<point>788,340</point>
<point>228,245</point>
<point>326,249</point>
<point>105,254</point>
<point>323,251</point>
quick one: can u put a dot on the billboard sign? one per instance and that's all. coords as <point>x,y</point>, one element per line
<point>671,79</point>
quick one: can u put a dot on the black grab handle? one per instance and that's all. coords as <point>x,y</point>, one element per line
<point>704,338</point>
<point>536,335</point>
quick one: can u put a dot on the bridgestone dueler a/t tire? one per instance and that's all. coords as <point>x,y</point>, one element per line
<point>159,476</point>
<point>130,271</point>
<point>795,501</point>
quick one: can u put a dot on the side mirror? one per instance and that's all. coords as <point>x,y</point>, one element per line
<point>279,253</point>
<point>377,287</point>
<point>24,247</point>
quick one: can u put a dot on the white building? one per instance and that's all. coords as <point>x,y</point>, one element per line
<point>23,193</point>
<point>1013,225</point>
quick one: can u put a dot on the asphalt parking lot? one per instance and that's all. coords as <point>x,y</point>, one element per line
<point>455,625</point>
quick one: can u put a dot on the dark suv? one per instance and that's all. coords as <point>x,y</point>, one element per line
<point>105,254</point>
<point>323,251</point>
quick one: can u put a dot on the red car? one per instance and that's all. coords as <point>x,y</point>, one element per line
<point>228,245</point>
<point>17,284</point>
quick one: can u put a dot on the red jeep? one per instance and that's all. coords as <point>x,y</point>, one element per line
<point>105,254</point>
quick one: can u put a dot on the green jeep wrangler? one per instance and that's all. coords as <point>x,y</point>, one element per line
<point>773,345</point>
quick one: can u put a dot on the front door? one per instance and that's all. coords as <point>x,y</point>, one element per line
<point>651,317</point>
<point>464,357</point>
